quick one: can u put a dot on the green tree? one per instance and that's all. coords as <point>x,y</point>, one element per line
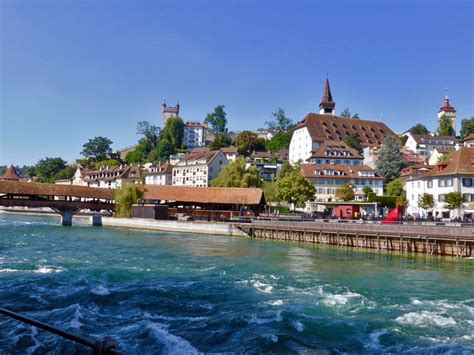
<point>347,114</point>
<point>402,201</point>
<point>280,140</point>
<point>345,193</point>
<point>367,190</point>
<point>46,169</point>
<point>174,132</point>
<point>467,127</point>
<point>268,188</point>
<point>445,127</point>
<point>235,174</point>
<point>395,188</point>
<point>391,161</point>
<point>295,189</point>
<point>221,140</point>
<point>444,158</point>
<point>453,201</point>
<point>162,152</point>
<point>139,155</point>
<point>66,173</point>
<point>246,142</point>
<point>217,120</point>
<point>150,132</point>
<point>97,149</point>
<point>125,197</point>
<point>419,129</point>
<point>108,162</point>
<point>280,122</point>
<point>426,201</point>
<point>353,141</point>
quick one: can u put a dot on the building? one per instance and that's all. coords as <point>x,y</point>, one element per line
<point>439,153</point>
<point>268,171</point>
<point>448,111</point>
<point>169,111</point>
<point>423,144</point>
<point>198,169</point>
<point>456,175</point>
<point>159,174</point>
<point>469,140</point>
<point>194,134</point>
<point>11,174</point>
<point>231,153</point>
<point>328,178</point>
<point>332,152</point>
<point>107,177</point>
<point>371,155</point>
<point>314,129</point>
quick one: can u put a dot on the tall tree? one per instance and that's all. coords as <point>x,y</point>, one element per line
<point>345,193</point>
<point>246,142</point>
<point>221,140</point>
<point>280,122</point>
<point>395,188</point>
<point>467,127</point>
<point>125,197</point>
<point>426,201</point>
<point>295,189</point>
<point>162,152</point>
<point>445,127</point>
<point>235,174</point>
<point>97,149</point>
<point>217,120</point>
<point>419,129</point>
<point>175,131</point>
<point>347,114</point>
<point>47,169</point>
<point>390,161</point>
<point>453,201</point>
<point>353,141</point>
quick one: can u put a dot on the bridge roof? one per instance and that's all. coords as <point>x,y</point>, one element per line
<point>36,189</point>
<point>205,195</point>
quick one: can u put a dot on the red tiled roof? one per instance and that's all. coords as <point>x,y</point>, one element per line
<point>345,171</point>
<point>460,163</point>
<point>11,174</point>
<point>205,195</point>
<point>160,169</point>
<point>32,188</point>
<point>447,107</point>
<point>329,127</point>
<point>335,146</point>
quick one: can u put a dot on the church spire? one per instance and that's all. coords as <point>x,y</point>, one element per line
<point>327,105</point>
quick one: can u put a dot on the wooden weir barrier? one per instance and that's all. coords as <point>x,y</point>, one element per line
<point>439,240</point>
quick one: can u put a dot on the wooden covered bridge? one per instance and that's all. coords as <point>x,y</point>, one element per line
<point>64,199</point>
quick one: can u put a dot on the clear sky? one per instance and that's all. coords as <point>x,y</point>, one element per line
<point>72,70</point>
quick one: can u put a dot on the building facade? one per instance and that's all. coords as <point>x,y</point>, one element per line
<point>456,175</point>
<point>314,129</point>
<point>107,177</point>
<point>159,175</point>
<point>198,169</point>
<point>194,134</point>
<point>423,144</point>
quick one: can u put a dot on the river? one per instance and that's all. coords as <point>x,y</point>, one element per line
<point>176,293</point>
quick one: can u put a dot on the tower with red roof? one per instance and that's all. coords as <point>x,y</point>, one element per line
<point>448,111</point>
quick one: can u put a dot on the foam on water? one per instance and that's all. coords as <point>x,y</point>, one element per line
<point>425,319</point>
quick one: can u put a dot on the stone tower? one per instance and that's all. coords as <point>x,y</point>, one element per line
<point>327,105</point>
<point>448,111</point>
<point>169,111</point>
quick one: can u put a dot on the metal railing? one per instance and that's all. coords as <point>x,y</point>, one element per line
<point>104,346</point>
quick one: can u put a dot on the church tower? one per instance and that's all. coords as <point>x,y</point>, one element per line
<point>327,105</point>
<point>448,111</point>
<point>169,111</point>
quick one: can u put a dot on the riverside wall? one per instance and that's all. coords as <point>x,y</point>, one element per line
<point>213,228</point>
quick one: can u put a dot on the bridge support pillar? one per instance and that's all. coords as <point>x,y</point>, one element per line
<point>96,220</point>
<point>66,217</point>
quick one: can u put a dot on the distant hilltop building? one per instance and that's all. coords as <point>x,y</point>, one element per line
<point>314,129</point>
<point>169,111</point>
<point>448,111</point>
<point>11,174</point>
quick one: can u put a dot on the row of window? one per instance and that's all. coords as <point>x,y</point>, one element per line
<point>447,182</point>
<point>337,161</point>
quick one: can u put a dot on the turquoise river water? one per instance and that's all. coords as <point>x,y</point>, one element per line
<point>176,293</point>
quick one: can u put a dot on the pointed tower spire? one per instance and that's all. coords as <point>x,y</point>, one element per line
<point>327,105</point>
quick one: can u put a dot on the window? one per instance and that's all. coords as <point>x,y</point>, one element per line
<point>467,182</point>
<point>441,198</point>
<point>445,182</point>
<point>430,184</point>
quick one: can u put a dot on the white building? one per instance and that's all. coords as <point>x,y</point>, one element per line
<point>439,153</point>
<point>314,129</point>
<point>198,169</point>
<point>159,175</point>
<point>107,177</point>
<point>194,134</point>
<point>457,175</point>
<point>423,144</point>
<point>328,178</point>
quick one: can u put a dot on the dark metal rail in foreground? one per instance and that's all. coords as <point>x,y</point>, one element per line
<point>104,346</point>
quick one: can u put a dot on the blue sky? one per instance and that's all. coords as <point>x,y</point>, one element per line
<point>72,70</point>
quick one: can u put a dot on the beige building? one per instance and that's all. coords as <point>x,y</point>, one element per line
<point>107,177</point>
<point>198,169</point>
<point>159,175</point>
